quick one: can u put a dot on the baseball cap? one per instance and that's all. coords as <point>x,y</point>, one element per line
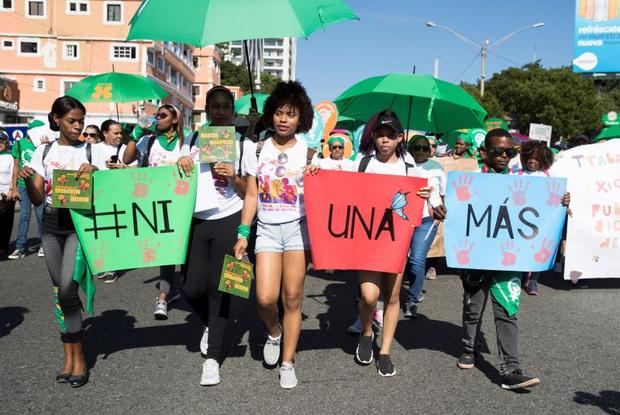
<point>4,136</point>
<point>389,118</point>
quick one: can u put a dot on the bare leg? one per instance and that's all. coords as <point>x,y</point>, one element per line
<point>391,310</point>
<point>369,288</point>
<point>292,294</point>
<point>268,281</point>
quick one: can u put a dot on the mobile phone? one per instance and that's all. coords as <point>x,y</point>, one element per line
<point>114,159</point>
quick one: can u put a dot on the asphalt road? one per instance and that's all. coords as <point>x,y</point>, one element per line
<point>570,338</point>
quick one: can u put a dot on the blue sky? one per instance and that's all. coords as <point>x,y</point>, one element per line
<point>391,36</point>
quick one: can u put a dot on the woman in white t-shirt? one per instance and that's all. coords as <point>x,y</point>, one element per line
<point>111,148</point>
<point>282,243</point>
<point>336,160</point>
<point>7,204</point>
<point>58,237</point>
<point>387,136</point>
<point>153,150</point>
<point>213,231</point>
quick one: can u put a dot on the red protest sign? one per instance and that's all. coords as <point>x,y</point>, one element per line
<point>361,221</point>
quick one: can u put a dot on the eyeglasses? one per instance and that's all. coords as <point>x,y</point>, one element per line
<point>421,148</point>
<point>499,151</point>
<point>93,135</point>
<point>337,147</point>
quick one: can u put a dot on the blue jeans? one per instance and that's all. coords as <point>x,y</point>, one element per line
<point>416,265</point>
<point>25,210</point>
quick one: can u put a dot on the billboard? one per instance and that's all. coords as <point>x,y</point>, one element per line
<point>597,38</point>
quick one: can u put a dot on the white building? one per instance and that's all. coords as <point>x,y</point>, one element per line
<point>276,56</point>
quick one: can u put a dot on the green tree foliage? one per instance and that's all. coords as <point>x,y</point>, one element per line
<point>235,75</point>
<point>488,101</point>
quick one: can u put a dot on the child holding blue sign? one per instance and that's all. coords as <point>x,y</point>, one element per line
<point>503,286</point>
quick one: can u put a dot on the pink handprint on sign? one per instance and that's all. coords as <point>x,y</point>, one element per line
<point>509,253</point>
<point>462,251</point>
<point>518,192</point>
<point>461,186</point>
<point>543,255</point>
<point>555,198</point>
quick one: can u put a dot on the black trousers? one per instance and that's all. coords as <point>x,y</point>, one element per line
<point>210,240</point>
<point>6,224</point>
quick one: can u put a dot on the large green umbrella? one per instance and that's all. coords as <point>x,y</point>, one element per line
<point>116,87</point>
<point>608,133</point>
<point>421,102</point>
<point>243,104</point>
<point>348,123</point>
<point>207,22</point>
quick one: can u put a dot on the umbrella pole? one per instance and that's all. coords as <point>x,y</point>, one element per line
<point>118,117</point>
<point>247,61</point>
<point>408,118</point>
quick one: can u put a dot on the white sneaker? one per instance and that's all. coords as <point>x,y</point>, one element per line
<point>356,328</point>
<point>271,350</point>
<point>204,342</point>
<point>288,380</point>
<point>161,310</point>
<point>210,373</point>
<point>41,253</point>
<point>17,254</point>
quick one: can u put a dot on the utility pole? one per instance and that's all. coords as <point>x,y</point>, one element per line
<point>436,68</point>
<point>483,65</point>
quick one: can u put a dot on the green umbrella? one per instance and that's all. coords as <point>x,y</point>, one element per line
<point>243,104</point>
<point>116,87</point>
<point>608,133</point>
<point>421,101</point>
<point>348,123</point>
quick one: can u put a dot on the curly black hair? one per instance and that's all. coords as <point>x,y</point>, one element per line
<point>290,93</point>
<point>537,150</point>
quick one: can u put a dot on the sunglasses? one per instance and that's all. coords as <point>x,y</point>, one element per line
<point>498,151</point>
<point>337,147</point>
<point>161,115</point>
<point>421,148</point>
<point>93,135</point>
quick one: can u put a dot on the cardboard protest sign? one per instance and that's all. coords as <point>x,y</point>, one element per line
<point>540,132</point>
<point>503,222</point>
<point>217,144</point>
<point>593,239</point>
<point>361,221</point>
<point>449,164</point>
<point>139,218</point>
<point>71,192</point>
<point>236,277</point>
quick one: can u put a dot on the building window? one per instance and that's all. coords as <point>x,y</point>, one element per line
<point>35,9</point>
<point>6,6</point>
<point>113,12</point>
<point>8,44</point>
<point>160,64</point>
<point>39,85</point>
<point>28,47</point>
<point>196,62</point>
<point>195,90</point>
<point>66,85</point>
<point>124,53</point>
<point>71,51</point>
<point>150,57</point>
<point>77,7</point>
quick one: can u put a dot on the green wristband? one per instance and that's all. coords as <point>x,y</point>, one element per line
<point>243,231</point>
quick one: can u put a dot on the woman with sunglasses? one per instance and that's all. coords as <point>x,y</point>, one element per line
<point>92,134</point>
<point>336,160</point>
<point>160,149</point>
<point>276,195</point>
<point>424,234</point>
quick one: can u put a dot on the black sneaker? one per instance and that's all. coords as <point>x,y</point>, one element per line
<point>385,366</point>
<point>517,380</point>
<point>363,353</point>
<point>411,310</point>
<point>110,277</point>
<point>466,361</point>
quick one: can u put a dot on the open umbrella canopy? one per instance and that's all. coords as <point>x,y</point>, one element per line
<point>116,87</point>
<point>608,133</point>
<point>206,22</point>
<point>421,102</point>
<point>243,104</point>
<point>348,123</point>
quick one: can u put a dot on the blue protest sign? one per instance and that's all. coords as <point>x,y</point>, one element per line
<point>503,222</point>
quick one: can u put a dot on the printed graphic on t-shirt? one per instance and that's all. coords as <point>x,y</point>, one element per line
<point>278,186</point>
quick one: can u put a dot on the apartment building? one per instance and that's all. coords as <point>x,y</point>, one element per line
<point>48,45</point>
<point>207,61</point>
<point>276,56</point>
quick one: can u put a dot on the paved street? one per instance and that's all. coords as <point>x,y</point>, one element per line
<point>570,338</point>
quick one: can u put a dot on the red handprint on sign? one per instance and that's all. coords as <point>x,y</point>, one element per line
<point>555,198</point>
<point>462,251</point>
<point>518,192</point>
<point>461,186</point>
<point>543,255</point>
<point>509,253</point>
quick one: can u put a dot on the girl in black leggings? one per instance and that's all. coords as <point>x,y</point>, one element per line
<point>58,237</point>
<point>213,232</point>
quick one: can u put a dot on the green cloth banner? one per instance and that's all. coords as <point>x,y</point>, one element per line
<point>140,218</point>
<point>506,289</point>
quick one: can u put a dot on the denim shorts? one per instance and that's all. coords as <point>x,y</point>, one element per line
<point>289,236</point>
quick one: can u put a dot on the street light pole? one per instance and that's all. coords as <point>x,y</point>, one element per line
<point>485,47</point>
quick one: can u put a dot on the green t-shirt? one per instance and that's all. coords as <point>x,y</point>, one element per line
<point>22,151</point>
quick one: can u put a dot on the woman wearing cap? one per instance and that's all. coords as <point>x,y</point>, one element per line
<point>160,149</point>
<point>213,231</point>
<point>387,136</point>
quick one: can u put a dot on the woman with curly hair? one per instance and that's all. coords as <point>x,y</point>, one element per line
<point>276,196</point>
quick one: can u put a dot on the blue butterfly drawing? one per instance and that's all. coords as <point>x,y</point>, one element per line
<point>399,201</point>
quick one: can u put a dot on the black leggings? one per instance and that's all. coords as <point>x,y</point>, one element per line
<point>210,240</point>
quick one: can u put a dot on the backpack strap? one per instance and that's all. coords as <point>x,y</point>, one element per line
<point>46,150</point>
<point>145,160</point>
<point>407,167</point>
<point>192,143</point>
<point>241,148</point>
<point>118,149</point>
<point>364,163</point>
<point>89,154</point>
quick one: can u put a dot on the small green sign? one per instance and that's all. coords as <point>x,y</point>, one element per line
<point>71,192</point>
<point>236,277</point>
<point>217,144</point>
<point>611,119</point>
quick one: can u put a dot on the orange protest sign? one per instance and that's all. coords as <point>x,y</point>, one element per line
<point>329,115</point>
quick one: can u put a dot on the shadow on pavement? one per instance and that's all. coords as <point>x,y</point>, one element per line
<point>607,401</point>
<point>11,317</point>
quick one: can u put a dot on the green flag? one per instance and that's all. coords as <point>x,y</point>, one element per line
<point>506,289</point>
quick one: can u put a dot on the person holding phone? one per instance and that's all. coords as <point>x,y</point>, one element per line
<point>112,148</point>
